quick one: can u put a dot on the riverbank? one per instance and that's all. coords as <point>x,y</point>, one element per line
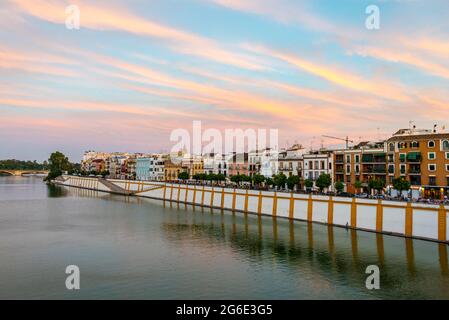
<point>413,220</point>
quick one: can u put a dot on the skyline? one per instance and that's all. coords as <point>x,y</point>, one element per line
<point>134,72</point>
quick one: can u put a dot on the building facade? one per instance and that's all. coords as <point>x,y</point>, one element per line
<point>318,163</point>
<point>421,157</point>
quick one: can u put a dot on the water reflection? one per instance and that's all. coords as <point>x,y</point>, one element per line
<point>409,268</point>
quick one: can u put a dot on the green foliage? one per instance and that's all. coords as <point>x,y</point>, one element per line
<point>376,184</point>
<point>323,181</point>
<point>293,181</point>
<point>358,184</point>
<point>105,173</point>
<point>221,177</point>
<point>339,186</point>
<point>258,179</point>
<point>308,183</point>
<point>12,164</point>
<point>401,184</point>
<point>183,176</point>
<point>280,180</point>
<point>57,164</point>
<point>269,182</point>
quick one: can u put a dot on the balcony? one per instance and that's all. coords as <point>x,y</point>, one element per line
<point>414,157</point>
<point>374,158</point>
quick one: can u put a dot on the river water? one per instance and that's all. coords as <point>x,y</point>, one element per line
<point>133,248</point>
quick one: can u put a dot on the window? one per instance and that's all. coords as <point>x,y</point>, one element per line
<point>391,147</point>
<point>445,145</point>
<point>402,145</point>
<point>432,167</point>
<point>357,169</point>
<point>348,169</point>
<point>348,179</point>
<point>432,181</point>
<point>330,166</point>
<point>402,157</point>
<point>402,168</point>
<point>357,158</point>
<point>447,155</point>
<point>431,155</point>
<point>391,168</point>
<point>447,167</point>
<point>348,158</point>
<point>431,144</point>
<point>414,144</point>
<point>323,167</point>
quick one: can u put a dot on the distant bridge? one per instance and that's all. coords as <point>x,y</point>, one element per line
<point>22,172</point>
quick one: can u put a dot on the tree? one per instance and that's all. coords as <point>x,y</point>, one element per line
<point>308,184</point>
<point>292,181</point>
<point>339,186</point>
<point>236,178</point>
<point>269,181</point>
<point>376,184</point>
<point>183,176</point>
<point>323,181</point>
<point>258,179</point>
<point>220,177</point>
<point>280,180</point>
<point>58,161</point>
<point>358,185</point>
<point>105,173</point>
<point>57,164</point>
<point>401,184</point>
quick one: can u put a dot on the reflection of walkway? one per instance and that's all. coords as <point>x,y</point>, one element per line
<point>331,254</point>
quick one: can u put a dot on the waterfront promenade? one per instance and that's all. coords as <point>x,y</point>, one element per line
<point>422,221</point>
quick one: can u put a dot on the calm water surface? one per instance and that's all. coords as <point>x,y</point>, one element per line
<point>135,248</point>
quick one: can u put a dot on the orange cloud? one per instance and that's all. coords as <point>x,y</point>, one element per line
<point>119,19</point>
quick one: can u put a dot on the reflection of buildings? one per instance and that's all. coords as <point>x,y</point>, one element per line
<point>325,254</point>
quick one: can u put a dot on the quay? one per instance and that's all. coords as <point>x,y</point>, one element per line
<point>405,219</point>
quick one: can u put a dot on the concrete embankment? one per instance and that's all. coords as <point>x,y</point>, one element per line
<point>429,222</point>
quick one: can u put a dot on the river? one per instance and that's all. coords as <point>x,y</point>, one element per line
<point>133,248</point>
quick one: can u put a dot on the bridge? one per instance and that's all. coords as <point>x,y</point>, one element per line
<point>22,172</point>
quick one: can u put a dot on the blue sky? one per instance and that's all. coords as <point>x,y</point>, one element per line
<point>136,70</point>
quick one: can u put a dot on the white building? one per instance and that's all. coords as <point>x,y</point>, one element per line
<point>318,163</point>
<point>289,161</point>
<point>215,163</point>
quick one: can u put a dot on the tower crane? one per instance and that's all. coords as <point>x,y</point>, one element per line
<point>347,140</point>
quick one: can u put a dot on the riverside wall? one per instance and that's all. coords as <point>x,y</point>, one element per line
<point>429,222</point>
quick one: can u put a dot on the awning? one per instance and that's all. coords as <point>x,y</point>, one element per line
<point>414,155</point>
<point>402,157</point>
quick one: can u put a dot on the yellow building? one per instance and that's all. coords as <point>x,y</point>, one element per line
<point>421,157</point>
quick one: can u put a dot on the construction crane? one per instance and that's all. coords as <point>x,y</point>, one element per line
<point>346,140</point>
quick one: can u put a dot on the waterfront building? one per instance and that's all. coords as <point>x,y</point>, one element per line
<point>172,169</point>
<point>144,166</point>
<point>316,163</point>
<point>289,161</point>
<point>193,164</point>
<point>421,156</point>
<point>237,163</point>
<point>363,162</point>
<point>260,162</point>
<point>215,164</point>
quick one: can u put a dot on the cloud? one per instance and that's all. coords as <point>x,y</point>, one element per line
<point>120,19</point>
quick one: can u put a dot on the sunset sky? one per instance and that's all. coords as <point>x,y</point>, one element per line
<point>136,70</point>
